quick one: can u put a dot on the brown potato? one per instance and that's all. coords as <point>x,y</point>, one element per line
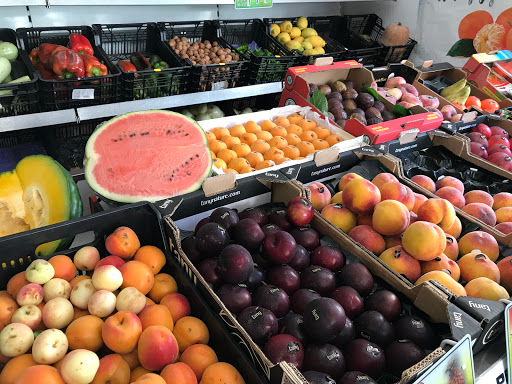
<point>216,60</point>
<point>222,58</point>
<point>206,41</point>
<point>215,43</point>
<point>184,39</point>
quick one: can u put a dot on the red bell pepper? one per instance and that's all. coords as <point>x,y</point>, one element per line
<point>46,53</point>
<point>93,67</point>
<point>46,74</point>
<point>34,56</point>
<point>126,66</point>
<point>80,44</point>
<point>67,64</point>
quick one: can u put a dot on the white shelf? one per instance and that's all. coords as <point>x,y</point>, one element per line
<point>10,3</point>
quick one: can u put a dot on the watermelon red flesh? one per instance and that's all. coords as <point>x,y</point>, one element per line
<point>148,155</point>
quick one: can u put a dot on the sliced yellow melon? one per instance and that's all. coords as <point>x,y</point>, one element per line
<point>12,208</point>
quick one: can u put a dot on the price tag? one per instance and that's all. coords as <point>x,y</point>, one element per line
<point>508,338</point>
<point>245,4</point>
<point>83,94</point>
<point>219,85</point>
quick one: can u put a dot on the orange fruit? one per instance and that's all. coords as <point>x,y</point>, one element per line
<point>131,358</point>
<point>260,146</point>
<point>267,125</point>
<point>138,372</point>
<point>163,285</point>
<point>238,164</point>
<point>273,154</point>
<point>156,315</point>
<point>279,131</point>
<point>199,357</point>
<point>123,323</point>
<point>490,38</point>
<point>219,132</point>
<point>252,127</point>
<point>231,140</point>
<point>294,128</point>
<point>152,256</point>
<point>264,164</point>
<point>305,148</point>
<point>282,160</point>
<point>177,304</point>
<point>334,139</point>
<point>473,101</point>
<point>264,135</point>
<point>150,378</point>
<point>85,333</point>
<point>78,313</point>
<point>178,373</point>
<point>210,136</point>
<point>40,374</point>
<point>222,373</point>
<point>282,121</point>
<point>295,119</point>
<point>15,366</point>
<point>503,19</point>
<point>123,242</point>
<point>213,155</point>
<point>237,130</point>
<point>137,274</point>
<point>473,22</point>
<point>307,125</point>
<point>246,170</point>
<point>291,151</point>
<point>292,139</point>
<point>219,163</point>
<point>149,301</point>
<point>322,132</point>
<point>7,308</point>
<point>216,145</point>
<point>300,158</point>
<point>190,330</point>
<point>227,155</point>
<point>15,283</point>
<point>242,149</point>
<point>278,142</point>
<point>229,170</point>
<point>63,266</point>
<point>254,158</point>
<point>490,105</point>
<point>308,136</point>
<point>248,138</point>
<point>320,144</point>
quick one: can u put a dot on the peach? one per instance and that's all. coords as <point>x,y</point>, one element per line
<point>29,315</point>
<point>130,299</point>
<point>449,181</point>
<point>504,228</point>
<point>15,283</point>
<point>439,263</point>
<point>15,339</point>
<point>360,196</point>
<point>424,241</point>
<point>456,229</point>
<point>56,288</point>
<point>444,279</point>
<point>365,219</point>
<point>121,331</point>
<point>487,289</point>
<point>346,179</point>
<point>501,200</point>
<point>79,366</point>
<point>132,359</point>
<point>390,217</point>
<point>337,198</point>
<point>157,348</point>
<point>50,346</point>
<point>504,215</point>
<point>398,192</point>
<point>425,182</point>
<point>340,217</point>
<point>123,242</point>
<point>177,304</point>
<point>86,258</point>
<point>505,267</point>
<point>112,369</point>
<point>477,196</point>
<point>412,217</point>
<point>30,294</point>
<point>482,241</point>
<point>150,378</point>
<point>107,277</point>
<point>418,200</point>
<point>481,212</point>
<point>453,195</point>
<point>477,264</point>
<point>401,262</point>
<point>102,303</point>
<point>58,313</point>
<point>320,195</point>
<point>368,238</point>
<point>395,82</point>
<point>116,261</point>
<point>81,293</point>
<point>383,178</point>
<point>39,271</point>
<point>452,248</point>
<point>437,211</point>
<point>393,241</point>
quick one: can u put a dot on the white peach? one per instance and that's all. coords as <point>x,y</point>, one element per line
<point>81,293</point>
<point>30,294</point>
<point>79,366</point>
<point>56,288</point>
<point>58,313</point>
<point>131,299</point>
<point>102,303</point>
<point>107,277</point>
<point>50,346</point>
<point>39,271</point>
<point>86,258</point>
<point>15,339</point>
<point>29,315</point>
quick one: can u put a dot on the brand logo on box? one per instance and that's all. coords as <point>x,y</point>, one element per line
<point>380,128</point>
<point>166,204</point>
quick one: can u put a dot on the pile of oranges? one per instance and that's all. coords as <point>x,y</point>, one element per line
<point>250,147</point>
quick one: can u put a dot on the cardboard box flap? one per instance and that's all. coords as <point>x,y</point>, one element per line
<point>410,374</point>
<point>323,61</point>
<point>414,124</point>
<point>408,136</point>
<point>326,156</point>
<point>358,75</point>
<point>219,184</point>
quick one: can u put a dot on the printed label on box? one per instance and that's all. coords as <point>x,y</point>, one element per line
<point>83,94</point>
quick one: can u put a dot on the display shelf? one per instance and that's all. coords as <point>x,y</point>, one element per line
<point>491,363</point>
<point>9,3</point>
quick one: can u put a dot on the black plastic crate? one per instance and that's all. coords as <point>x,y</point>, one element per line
<point>15,145</point>
<point>369,27</point>
<point>210,76</point>
<point>119,41</point>
<point>144,219</point>
<point>71,93</point>
<point>263,69</point>
<point>18,98</point>
<point>265,102</point>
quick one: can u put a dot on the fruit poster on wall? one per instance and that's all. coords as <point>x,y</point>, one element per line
<point>453,30</point>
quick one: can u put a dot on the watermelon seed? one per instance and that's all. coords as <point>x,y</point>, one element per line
<point>133,134</point>
<point>186,134</point>
<point>168,131</point>
<point>197,155</point>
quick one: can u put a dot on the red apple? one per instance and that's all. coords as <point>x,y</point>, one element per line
<point>496,139</point>
<point>483,129</point>
<point>499,148</point>
<point>320,195</point>
<point>478,150</point>
<point>300,211</point>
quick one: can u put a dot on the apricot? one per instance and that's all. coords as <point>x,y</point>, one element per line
<point>401,262</point>
<point>453,195</point>
<point>482,241</point>
<point>390,217</point>
<point>501,200</point>
<point>383,178</point>
<point>123,242</point>
<point>121,331</point>
<point>445,279</point>
<point>360,196</point>
<point>177,304</point>
<point>478,196</point>
<point>449,181</point>
<point>221,372</point>
<point>484,288</point>
<point>425,182</point>
<point>368,238</point>
<point>477,264</point>
<point>452,247</point>
<point>418,200</point>
<point>157,348</point>
<point>439,263</point>
<point>423,240</point>
<point>113,369</point>
<point>398,192</point>
<point>481,212</point>
<point>504,215</point>
<point>340,217</point>
<point>437,211</point>
<point>393,241</point>
<point>456,229</point>
<point>345,179</point>
<point>85,333</point>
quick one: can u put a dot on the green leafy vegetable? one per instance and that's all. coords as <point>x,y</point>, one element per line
<point>320,102</point>
<point>372,92</point>
<point>401,111</point>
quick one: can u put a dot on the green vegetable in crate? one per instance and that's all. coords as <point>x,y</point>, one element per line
<point>145,85</point>
<point>8,50</point>
<point>5,68</point>
<point>18,80</point>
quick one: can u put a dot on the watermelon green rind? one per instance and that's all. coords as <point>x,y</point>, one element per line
<point>92,160</point>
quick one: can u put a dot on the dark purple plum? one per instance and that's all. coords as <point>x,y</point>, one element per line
<point>257,214</point>
<point>301,298</point>
<point>208,269</point>
<point>417,330</point>
<point>270,228</point>
<point>284,277</point>
<point>328,257</point>
<point>255,278</point>
<point>346,335</point>
<point>234,297</point>
<point>386,116</point>
<point>350,300</point>
<point>318,279</point>
<point>226,217</point>
<point>325,358</point>
<point>235,264</point>
<point>374,327</point>
<point>301,259</point>
<point>356,377</point>
<point>385,302</point>
<point>366,357</point>
<point>211,239</point>
<point>272,298</point>
<point>248,234</point>
<point>365,100</point>
<point>314,377</point>
<point>201,223</point>
<point>259,322</point>
<point>279,218</point>
<point>307,237</point>
<point>300,211</point>
<point>324,319</point>
<point>279,247</point>
<point>285,348</point>
<point>379,105</point>
<point>357,276</point>
<point>293,324</point>
<point>189,247</point>
<point>401,355</point>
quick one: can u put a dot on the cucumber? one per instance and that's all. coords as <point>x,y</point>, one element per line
<point>19,80</point>
<point>5,68</point>
<point>8,50</point>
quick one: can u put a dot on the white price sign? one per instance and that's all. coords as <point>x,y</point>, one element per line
<point>83,94</point>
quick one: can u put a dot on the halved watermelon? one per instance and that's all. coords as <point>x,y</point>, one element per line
<point>148,155</point>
